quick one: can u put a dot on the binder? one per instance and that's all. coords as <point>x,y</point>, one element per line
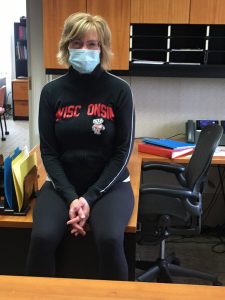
<point>9,189</point>
<point>172,144</point>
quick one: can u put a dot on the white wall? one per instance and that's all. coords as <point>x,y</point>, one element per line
<point>164,104</point>
<point>11,11</point>
<point>35,65</point>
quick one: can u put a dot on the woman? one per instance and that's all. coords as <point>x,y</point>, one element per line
<point>86,126</point>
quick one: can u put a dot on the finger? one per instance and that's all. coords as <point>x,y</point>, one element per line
<point>82,223</point>
<point>72,213</point>
<point>77,231</point>
<point>81,213</point>
<point>73,221</point>
<point>77,226</point>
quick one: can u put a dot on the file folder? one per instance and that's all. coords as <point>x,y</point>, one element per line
<point>9,189</point>
<point>21,166</point>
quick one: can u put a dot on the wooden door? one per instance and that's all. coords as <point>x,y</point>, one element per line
<point>54,14</point>
<point>160,11</point>
<point>117,14</point>
<point>207,12</point>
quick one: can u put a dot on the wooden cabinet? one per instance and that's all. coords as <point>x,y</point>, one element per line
<point>54,14</point>
<point>116,12</point>
<point>20,99</point>
<point>178,11</point>
<point>207,12</point>
<point>160,11</point>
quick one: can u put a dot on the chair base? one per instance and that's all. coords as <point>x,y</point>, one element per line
<point>162,271</point>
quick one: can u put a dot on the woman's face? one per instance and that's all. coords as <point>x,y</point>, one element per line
<point>88,41</point>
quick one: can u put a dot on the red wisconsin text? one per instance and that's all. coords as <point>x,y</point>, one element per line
<point>73,111</point>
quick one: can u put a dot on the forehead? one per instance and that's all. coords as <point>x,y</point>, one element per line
<point>89,35</point>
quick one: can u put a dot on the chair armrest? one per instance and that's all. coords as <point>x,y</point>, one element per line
<point>192,200</point>
<point>167,167</point>
<point>167,190</point>
<point>176,169</point>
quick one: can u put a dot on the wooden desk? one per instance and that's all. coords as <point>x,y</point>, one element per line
<point>27,221</point>
<point>135,171</point>
<point>26,288</point>
<point>14,229</point>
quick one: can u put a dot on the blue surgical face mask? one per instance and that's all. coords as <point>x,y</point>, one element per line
<point>84,60</point>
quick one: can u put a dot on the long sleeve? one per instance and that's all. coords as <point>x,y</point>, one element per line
<point>116,166</point>
<point>50,150</point>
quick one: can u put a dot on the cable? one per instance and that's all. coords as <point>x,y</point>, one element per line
<point>181,133</point>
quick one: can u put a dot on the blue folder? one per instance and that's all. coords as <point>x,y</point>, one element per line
<point>8,178</point>
<point>167,143</point>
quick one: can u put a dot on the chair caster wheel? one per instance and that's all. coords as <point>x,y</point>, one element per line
<point>6,132</point>
<point>3,139</point>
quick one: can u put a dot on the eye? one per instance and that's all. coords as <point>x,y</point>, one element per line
<point>76,44</point>
<point>93,44</point>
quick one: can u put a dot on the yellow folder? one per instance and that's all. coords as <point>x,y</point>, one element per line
<point>21,166</point>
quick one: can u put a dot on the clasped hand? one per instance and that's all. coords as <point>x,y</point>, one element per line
<point>78,213</point>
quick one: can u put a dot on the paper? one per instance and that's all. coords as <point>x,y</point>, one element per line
<point>8,178</point>
<point>148,62</point>
<point>220,151</point>
<point>20,168</point>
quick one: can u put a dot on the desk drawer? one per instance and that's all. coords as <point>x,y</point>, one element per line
<point>21,108</point>
<point>20,90</point>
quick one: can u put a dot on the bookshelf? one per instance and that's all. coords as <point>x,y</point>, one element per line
<point>177,50</point>
<point>20,42</point>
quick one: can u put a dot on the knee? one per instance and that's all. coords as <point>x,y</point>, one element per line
<point>41,238</point>
<point>109,242</point>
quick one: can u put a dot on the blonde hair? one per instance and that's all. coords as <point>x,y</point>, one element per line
<point>75,27</point>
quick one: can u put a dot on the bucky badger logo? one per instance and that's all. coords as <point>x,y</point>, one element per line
<point>98,126</point>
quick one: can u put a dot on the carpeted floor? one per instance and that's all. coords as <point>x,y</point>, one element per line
<point>18,136</point>
<point>205,253</point>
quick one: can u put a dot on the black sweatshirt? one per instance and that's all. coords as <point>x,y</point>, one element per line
<point>86,126</point>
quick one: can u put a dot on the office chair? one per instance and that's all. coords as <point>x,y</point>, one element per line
<point>2,111</point>
<point>175,208</point>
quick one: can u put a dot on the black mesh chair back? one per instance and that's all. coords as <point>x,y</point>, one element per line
<point>200,161</point>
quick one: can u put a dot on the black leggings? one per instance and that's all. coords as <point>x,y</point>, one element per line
<point>108,219</point>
